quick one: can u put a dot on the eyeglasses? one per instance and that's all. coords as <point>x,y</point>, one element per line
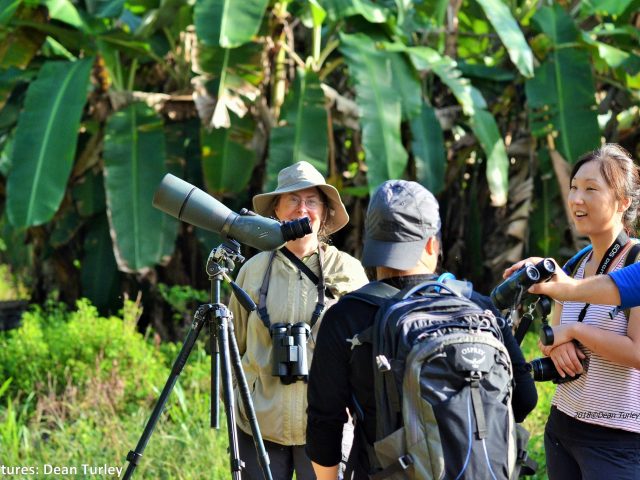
<point>295,202</point>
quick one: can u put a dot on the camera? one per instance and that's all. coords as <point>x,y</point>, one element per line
<point>290,351</point>
<point>509,292</point>
<point>542,370</point>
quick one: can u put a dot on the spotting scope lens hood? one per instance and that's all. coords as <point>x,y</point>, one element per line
<point>185,202</point>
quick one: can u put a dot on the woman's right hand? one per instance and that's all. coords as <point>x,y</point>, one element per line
<point>517,266</point>
<point>559,286</point>
<point>567,359</point>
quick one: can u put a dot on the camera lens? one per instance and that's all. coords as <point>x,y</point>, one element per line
<point>543,369</point>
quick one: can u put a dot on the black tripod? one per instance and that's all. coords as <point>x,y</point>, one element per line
<point>223,341</point>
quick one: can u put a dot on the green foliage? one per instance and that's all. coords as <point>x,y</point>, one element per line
<point>54,347</point>
<point>380,106</point>
<point>45,142</point>
<point>302,134</point>
<point>134,158</point>
<point>182,299</point>
<point>93,411</point>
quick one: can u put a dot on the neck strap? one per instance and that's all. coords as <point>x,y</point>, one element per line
<point>612,252</point>
<point>319,282</point>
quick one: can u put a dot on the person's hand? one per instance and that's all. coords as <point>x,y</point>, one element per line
<point>545,349</point>
<point>566,358</point>
<point>560,286</point>
<point>517,266</point>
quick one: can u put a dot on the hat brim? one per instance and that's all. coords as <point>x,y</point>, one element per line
<point>398,255</point>
<point>263,204</point>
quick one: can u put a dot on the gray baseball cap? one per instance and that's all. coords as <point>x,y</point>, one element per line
<point>401,217</point>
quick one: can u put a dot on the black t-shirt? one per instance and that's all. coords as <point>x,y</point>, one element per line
<point>339,373</point>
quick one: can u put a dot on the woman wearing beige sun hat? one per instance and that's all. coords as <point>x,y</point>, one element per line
<point>285,294</point>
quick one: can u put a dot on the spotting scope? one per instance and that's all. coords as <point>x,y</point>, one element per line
<point>185,202</point>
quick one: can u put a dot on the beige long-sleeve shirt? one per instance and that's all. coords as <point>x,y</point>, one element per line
<point>281,409</point>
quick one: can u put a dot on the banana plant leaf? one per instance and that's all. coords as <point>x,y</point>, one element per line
<point>486,131</point>
<point>509,32</point>
<point>614,57</point>
<point>427,59</point>
<point>18,47</point>
<point>303,131</point>
<point>228,23</point>
<point>427,146</point>
<point>72,39</point>
<point>134,162</point>
<point>341,9</point>
<point>64,11</point>
<point>561,95</point>
<point>404,76</point>
<point>99,274</point>
<point>65,227</point>
<point>227,156</point>
<point>7,9</point>
<point>481,121</point>
<point>380,106</point>
<point>105,8</point>
<point>230,76</point>
<point>88,194</point>
<point>45,141</point>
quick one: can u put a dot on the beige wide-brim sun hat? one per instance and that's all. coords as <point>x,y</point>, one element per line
<point>297,177</point>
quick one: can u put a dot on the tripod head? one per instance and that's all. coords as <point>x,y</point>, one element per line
<point>227,254</point>
<point>221,261</point>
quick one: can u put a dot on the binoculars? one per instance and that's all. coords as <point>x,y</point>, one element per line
<point>290,351</point>
<point>509,293</point>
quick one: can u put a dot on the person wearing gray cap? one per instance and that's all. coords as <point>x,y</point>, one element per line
<point>291,287</point>
<point>402,242</point>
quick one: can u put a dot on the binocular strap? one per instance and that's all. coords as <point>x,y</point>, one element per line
<point>319,282</point>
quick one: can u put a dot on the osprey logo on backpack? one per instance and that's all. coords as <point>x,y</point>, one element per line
<point>443,383</point>
<point>475,356</point>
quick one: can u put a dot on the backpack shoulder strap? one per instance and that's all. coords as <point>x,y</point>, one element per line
<point>374,293</point>
<point>461,287</point>
<point>572,265</point>
<point>632,256</point>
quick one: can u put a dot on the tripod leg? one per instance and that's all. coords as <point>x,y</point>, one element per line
<point>248,404</point>
<point>222,318</point>
<point>215,377</point>
<point>134,455</point>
